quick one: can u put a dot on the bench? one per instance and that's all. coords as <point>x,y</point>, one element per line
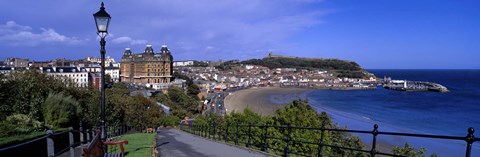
<point>96,148</point>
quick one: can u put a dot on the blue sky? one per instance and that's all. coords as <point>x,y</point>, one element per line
<point>377,34</point>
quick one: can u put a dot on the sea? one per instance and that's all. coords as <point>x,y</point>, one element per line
<point>450,113</point>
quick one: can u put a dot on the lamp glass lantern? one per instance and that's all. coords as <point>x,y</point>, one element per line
<point>102,20</point>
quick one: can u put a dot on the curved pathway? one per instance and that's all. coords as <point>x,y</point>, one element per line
<point>176,143</point>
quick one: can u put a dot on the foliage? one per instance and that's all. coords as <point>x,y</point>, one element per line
<point>59,110</point>
<point>298,113</point>
<point>193,90</point>
<point>169,120</point>
<point>16,139</point>
<point>409,151</point>
<point>350,74</point>
<point>184,77</point>
<point>139,145</point>
<point>180,103</point>
<point>142,112</point>
<point>24,92</point>
<point>36,99</point>
<point>227,65</point>
<point>342,67</point>
<point>285,62</point>
<point>200,64</point>
<point>19,124</point>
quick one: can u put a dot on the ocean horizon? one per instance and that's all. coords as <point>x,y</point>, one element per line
<point>450,113</point>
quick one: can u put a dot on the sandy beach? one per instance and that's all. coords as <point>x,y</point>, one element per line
<point>263,100</point>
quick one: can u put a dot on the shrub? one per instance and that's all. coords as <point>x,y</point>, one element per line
<point>59,110</point>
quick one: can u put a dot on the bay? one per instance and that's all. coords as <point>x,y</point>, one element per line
<point>450,113</point>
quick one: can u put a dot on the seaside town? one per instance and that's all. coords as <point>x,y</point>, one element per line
<point>263,78</point>
<point>85,72</point>
<point>150,72</point>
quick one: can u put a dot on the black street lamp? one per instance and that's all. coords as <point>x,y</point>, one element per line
<point>102,20</point>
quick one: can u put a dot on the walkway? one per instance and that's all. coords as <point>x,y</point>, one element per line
<point>176,143</point>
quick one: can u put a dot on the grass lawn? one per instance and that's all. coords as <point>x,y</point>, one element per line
<point>139,144</point>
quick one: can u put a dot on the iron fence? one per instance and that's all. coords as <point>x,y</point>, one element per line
<point>244,134</point>
<point>56,143</point>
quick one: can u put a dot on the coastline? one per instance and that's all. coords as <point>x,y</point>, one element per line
<point>263,100</point>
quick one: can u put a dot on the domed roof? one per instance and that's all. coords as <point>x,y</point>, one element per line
<point>127,51</point>
<point>164,49</point>
<point>149,49</point>
<point>165,52</point>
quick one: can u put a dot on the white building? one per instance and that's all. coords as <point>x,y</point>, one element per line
<point>79,76</point>
<point>108,61</point>
<point>182,63</point>
<point>114,73</point>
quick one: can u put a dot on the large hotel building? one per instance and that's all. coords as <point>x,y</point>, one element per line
<point>147,67</point>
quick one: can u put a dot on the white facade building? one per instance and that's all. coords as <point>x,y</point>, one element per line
<point>182,63</point>
<point>114,73</point>
<point>79,76</point>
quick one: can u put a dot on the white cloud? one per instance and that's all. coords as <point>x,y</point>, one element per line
<point>129,41</point>
<point>14,34</point>
<point>232,27</point>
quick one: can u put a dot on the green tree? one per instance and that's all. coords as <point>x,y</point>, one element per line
<point>169,120</point>
<point>60,110</point>
<point>23,92</point>
<point>298,114</point>
<point>19,124</point>
<point>178,97</point>
<point>193,90</point>
<point>409,151</point>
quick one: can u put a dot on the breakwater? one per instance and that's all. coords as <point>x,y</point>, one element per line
<point>412,86</point>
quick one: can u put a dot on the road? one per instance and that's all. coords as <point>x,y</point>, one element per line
<point>176,143</point>
<point>215,103</point>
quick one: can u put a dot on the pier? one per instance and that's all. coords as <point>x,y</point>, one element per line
<point>413,86</point>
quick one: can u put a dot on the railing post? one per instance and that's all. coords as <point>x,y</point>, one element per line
<point>320,144</point>
<point>470,138</point>
<point>226,133</point>
<point>88,136</point>
<point>82,141</point>
<point>70,139</point>
<point>50,144</point>
<point>249,135</point>
<point>205,130</point>
<point>236,135</point>
<point>209,131</point>
<point>286,151</point>
<point>193,130</point>
<point>214,131</point>
<point>374,143</point>
<point>265,134</point>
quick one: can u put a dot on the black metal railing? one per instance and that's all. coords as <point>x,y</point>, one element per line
<point>58,143</point>
<point>260,137</point>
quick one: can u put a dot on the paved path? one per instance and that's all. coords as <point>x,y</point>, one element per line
<point>176,143</point>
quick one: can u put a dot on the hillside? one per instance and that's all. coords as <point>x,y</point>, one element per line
<point>341,68</point>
